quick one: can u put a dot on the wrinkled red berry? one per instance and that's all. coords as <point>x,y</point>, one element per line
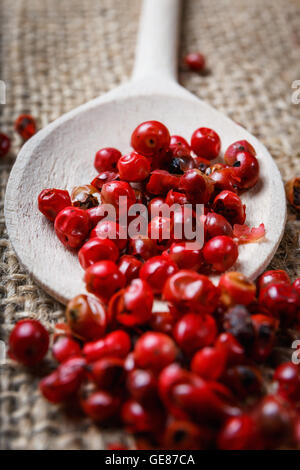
<point>104,279</point>
<point>72,226</point>
<point>220,252</point>
<point>206,143</point>
<point>106,159</point>
<point>86,317</point>
<point>52,201</point>
<point>97,249</point>
<point>28,342</point>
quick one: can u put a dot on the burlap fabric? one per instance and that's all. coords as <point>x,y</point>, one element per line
<point>58,54</point>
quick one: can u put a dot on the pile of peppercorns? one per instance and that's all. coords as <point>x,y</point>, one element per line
<point>186,372</point>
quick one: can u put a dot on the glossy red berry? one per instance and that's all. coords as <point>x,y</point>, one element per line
<point>160,229</point>
<point>183,257</point>
<point>97,249</point>
<point>154,351</point>
<point>215,225</point>
<point>52,201</point>
<point>209,363</point>
<point>174,197</point>
<point>133,305</point>
<point>194,331</point>
<point>239,433</point>
<point>282,301</point>
<point>104,177</point>
<point>274,276</point>
<point>225,178</point>
<point>137,418</point>
<point>104,279</point>
<point>228,204</point>
<point>72,226</point>
<point>161,182</point>
<point>119,194</point>
<point>25,126</point>
<point>179,146</point>
<point>142,385</point>
<point>288,377</point>
<point>112,230</point>
<point>188,290</point>
<point>156,271</point>
<point>246,169</point>
<point>296,285</point>
<point>150,138</point>
<point>65,347</point>
<point>206,143</point>
<point>220,253</point>
<point>134,167</point>
<point>236,288</point>
<point>197,186</point>
<point>4,144</point>
<point>195,61</point>
<point>100,406</point>
<point>86,317</point>
<point>28,342</point>
<point>130,266</point>
<point>164,320</point>
<point>115,344</point>
<point>65,381</point>
<point>106,159</point>
<point>107,373</point>
<point>231,348</point>
<point>235,148</point>
<point>143,247</point>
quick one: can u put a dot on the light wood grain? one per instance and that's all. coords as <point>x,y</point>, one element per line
<point>61,155</point>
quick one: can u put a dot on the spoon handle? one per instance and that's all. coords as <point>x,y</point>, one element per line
<point>157,44</point>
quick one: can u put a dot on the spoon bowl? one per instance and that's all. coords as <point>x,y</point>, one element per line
<point>61,155</point>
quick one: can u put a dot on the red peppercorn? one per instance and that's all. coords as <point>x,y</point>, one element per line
<point>236,289</point>
<point>288,377</point>
<point>52,201</point>
<point>228,204</point>
<point>154,351</point>
<point>156,271</point>
<point>65,347</point>
<point>244,381</point>
<point>231,348</point>
<point>179,146</point>
<point>104,177</point>
<point>215,225</point>
<point>188,290</point>
<point>150,138</point>
<point>113,191</point>
<point>225,178</point>
<point>265,329</point>
<point>142,385</point>
<point>161,181</point>
<point>195,61</point>
<point>206,143</point>
<point>296,285</point>
<point>28,342</point>
<point>104,279</point>
<point>97,249</point>
<point>100,406</point>
<point>183,257</point>
<point>130,267</point>
<point>220,252</point>
<point>164,321</point>
<point>209,363</point>
<point>112,230</point>
<point>143,247</point>
<point>65,381</point>
<point>4,144</point>
<point>115,344</point>
<point>155,206</point>
<point>107,373</point>
<point>25,126</point>
<point>133,305</point>
<point>274,276</point>
<point>72,226</point>
<point>197,186</point>
<point>174,197</point>
<point>106,159</point>
<point>139,419</point>
<point>160,229</point>
<point>86,317</point>
<point>194,331</point>
<point>235,148</point>
<point>184,435</point>
<point>282,301</point>
<point>239,433</point>
<point>246,170</point>
<point>134,167</point>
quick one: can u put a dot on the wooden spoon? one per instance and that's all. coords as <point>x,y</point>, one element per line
<point>61,156</point>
